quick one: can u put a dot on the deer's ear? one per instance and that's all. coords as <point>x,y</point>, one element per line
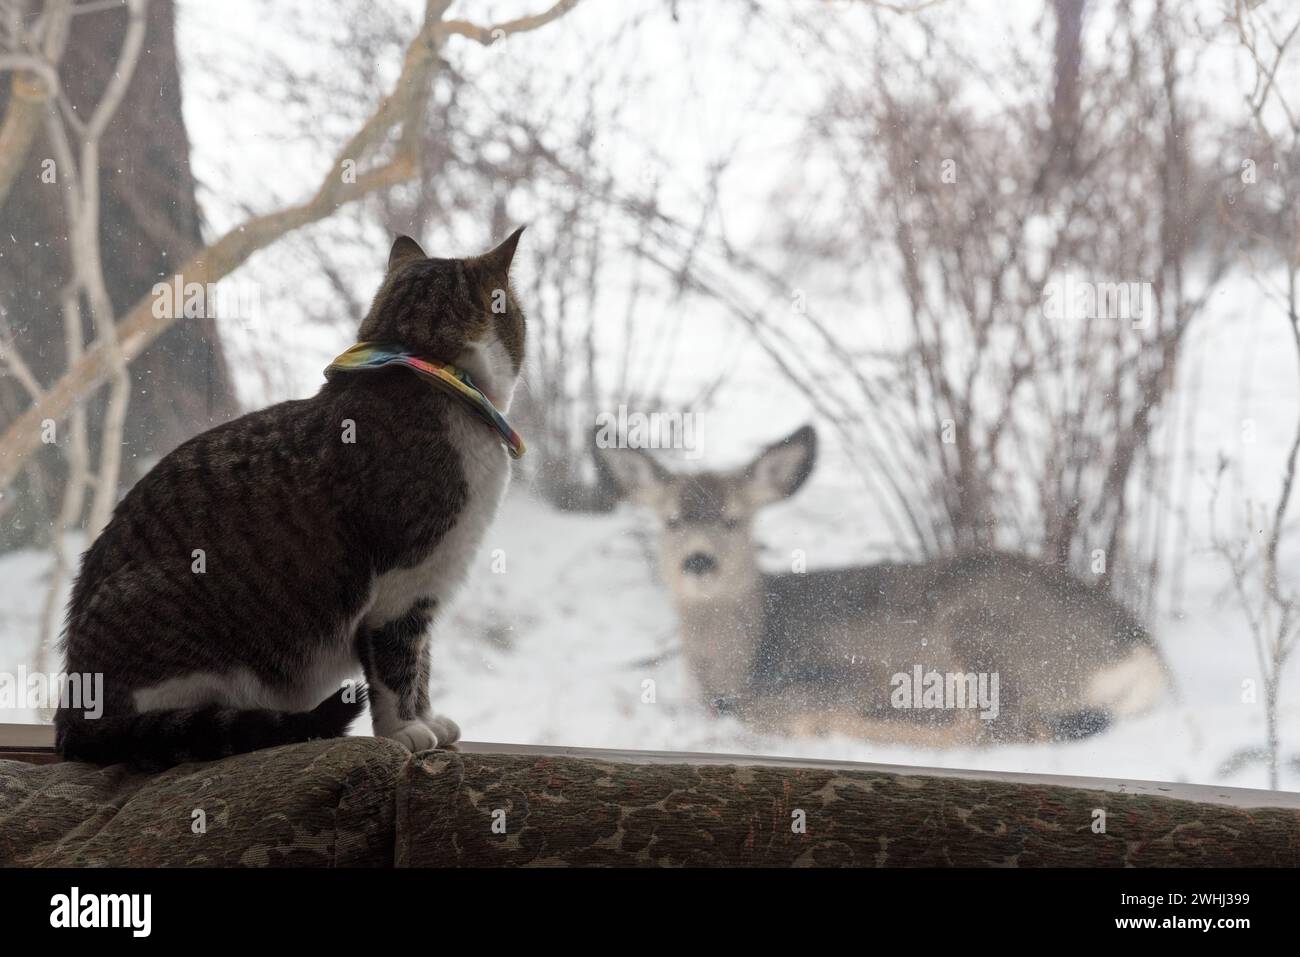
<point>781,468</point>
<point>636,475</point>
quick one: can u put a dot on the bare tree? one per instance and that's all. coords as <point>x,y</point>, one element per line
<point>1269,600</point>
<point>32,54</point>
<point>978,417</point>
<point>149,219</point>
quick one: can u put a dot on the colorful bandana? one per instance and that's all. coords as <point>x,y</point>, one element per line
<point>376,355</point>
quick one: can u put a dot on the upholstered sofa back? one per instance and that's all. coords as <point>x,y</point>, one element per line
<point>365,802</point>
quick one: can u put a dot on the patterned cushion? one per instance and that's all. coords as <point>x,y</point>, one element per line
<point>364,802</point>
<point>324,804</point>
<point>579,811</point>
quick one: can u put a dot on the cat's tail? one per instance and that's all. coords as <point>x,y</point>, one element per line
<point>153,740</point>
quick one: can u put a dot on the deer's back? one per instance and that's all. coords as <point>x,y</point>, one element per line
<point>848,631</point>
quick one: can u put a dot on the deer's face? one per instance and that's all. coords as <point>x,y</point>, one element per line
<point>705,550</point>
<point>706,553</point>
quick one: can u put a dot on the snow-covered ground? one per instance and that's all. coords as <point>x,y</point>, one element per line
<point>556,647</point>
<point>569,665</point>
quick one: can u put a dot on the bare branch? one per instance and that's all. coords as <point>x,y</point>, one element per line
<point>31,89</point>
<point>489,35</point>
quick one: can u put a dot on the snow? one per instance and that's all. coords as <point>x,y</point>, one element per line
<point>556,647</point>
<point>592,618</point>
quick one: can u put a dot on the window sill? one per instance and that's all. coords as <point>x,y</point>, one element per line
<point>35,743</point>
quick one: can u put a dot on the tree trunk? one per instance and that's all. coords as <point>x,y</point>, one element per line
<point>150,224</point>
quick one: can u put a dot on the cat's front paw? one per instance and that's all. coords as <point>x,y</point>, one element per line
<point>412,735</point>
<point>446,730</point>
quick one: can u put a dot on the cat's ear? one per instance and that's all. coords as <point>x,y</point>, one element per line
<point>498,260</point>
<point>405,249</point>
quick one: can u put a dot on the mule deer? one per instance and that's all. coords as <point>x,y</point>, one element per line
<point>979,648</point>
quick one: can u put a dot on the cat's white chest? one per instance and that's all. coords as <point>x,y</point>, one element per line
<point>486,468</point>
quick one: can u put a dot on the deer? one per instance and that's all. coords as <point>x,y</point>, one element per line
<point>977,648</point>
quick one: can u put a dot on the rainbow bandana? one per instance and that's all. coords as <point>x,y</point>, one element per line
<point>376,355</point>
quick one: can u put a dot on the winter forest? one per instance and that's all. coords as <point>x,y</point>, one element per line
<point>826,300</point>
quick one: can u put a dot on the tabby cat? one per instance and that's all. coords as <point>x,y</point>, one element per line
<point>262,564</point>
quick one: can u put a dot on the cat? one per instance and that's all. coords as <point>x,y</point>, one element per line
<point>263,563</point>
